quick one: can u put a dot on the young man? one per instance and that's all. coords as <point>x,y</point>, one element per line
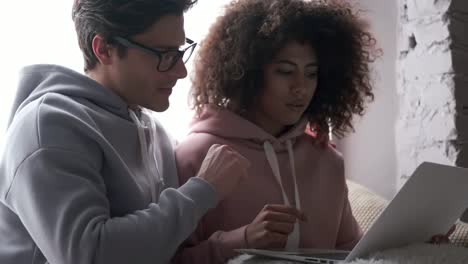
<point>87,175</point>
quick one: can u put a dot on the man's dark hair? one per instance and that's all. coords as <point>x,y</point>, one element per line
<point>126,18</point>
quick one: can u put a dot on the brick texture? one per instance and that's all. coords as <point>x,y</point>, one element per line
<point>432,84</point>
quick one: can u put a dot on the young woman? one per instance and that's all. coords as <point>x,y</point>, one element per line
<point>271,79</point>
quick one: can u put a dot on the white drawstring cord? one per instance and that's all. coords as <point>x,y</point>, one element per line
<point>144,154</point>
<point>293,172</point>
<point>153,135</point>
<point>293,238</point>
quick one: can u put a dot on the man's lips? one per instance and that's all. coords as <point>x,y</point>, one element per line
<point>167,91</point>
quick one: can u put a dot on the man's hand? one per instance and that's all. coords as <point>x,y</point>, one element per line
<point>271,227</point>
<point>224,168</point>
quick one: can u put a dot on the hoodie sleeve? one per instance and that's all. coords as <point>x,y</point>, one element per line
<point>60,196</point>
<point>349,232</point>
<point>199,249</point>
<point>68,215</point>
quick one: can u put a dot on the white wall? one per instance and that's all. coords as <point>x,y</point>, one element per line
<point>33,32</point>
<point>369,153</point>
<point>432,123</point>
<point>197,23</point>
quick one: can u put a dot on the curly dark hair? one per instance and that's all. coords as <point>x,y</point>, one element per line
<point>229,65</point>
<point>124,18</point>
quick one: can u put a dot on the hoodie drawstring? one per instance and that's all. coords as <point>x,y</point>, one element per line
<point>155,183</point>
<point>293,238</point>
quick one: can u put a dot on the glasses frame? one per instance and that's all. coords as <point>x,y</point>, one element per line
<point>158,53</point>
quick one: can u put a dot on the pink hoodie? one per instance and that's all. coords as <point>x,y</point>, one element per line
<point>319,173</point>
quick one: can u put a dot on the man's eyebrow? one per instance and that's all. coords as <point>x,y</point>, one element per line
<point>165,47</point>
<point>168,47</point>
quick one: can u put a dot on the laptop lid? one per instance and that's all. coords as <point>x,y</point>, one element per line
<point>429,203</point>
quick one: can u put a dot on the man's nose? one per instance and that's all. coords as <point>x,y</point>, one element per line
<point>179,71</point>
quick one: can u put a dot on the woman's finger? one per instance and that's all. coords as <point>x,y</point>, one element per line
<point>278,227</point>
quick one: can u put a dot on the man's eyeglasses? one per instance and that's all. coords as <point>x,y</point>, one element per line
<point>167,58</point>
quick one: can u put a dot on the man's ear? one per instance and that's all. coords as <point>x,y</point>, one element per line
<point>103,50</point>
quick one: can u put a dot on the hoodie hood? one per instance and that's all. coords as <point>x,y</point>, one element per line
<point>38,80</point>
<point>227,124</point>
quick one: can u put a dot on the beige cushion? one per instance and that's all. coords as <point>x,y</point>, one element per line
<point>365,204</point>
<point>460,236</point>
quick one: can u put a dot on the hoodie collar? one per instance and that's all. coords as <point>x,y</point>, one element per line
<point>227,124</point>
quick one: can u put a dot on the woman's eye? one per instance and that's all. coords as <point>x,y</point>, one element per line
<point>284,72</point>
<point>312,75</point>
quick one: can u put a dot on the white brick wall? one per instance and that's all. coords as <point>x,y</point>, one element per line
<point>431,82</point>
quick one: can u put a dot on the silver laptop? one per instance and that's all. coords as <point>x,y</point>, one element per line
<point>429,203</point>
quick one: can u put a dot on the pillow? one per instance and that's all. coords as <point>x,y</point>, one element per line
<point>365,204</point>
<point>460,235</point>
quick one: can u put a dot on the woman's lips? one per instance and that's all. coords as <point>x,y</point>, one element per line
<point>296,107</point>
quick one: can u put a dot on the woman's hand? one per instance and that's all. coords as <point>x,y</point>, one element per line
<point>271,227</point>
<point>442,239</point>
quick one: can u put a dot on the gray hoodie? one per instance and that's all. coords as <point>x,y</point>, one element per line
<point>83,179</point>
